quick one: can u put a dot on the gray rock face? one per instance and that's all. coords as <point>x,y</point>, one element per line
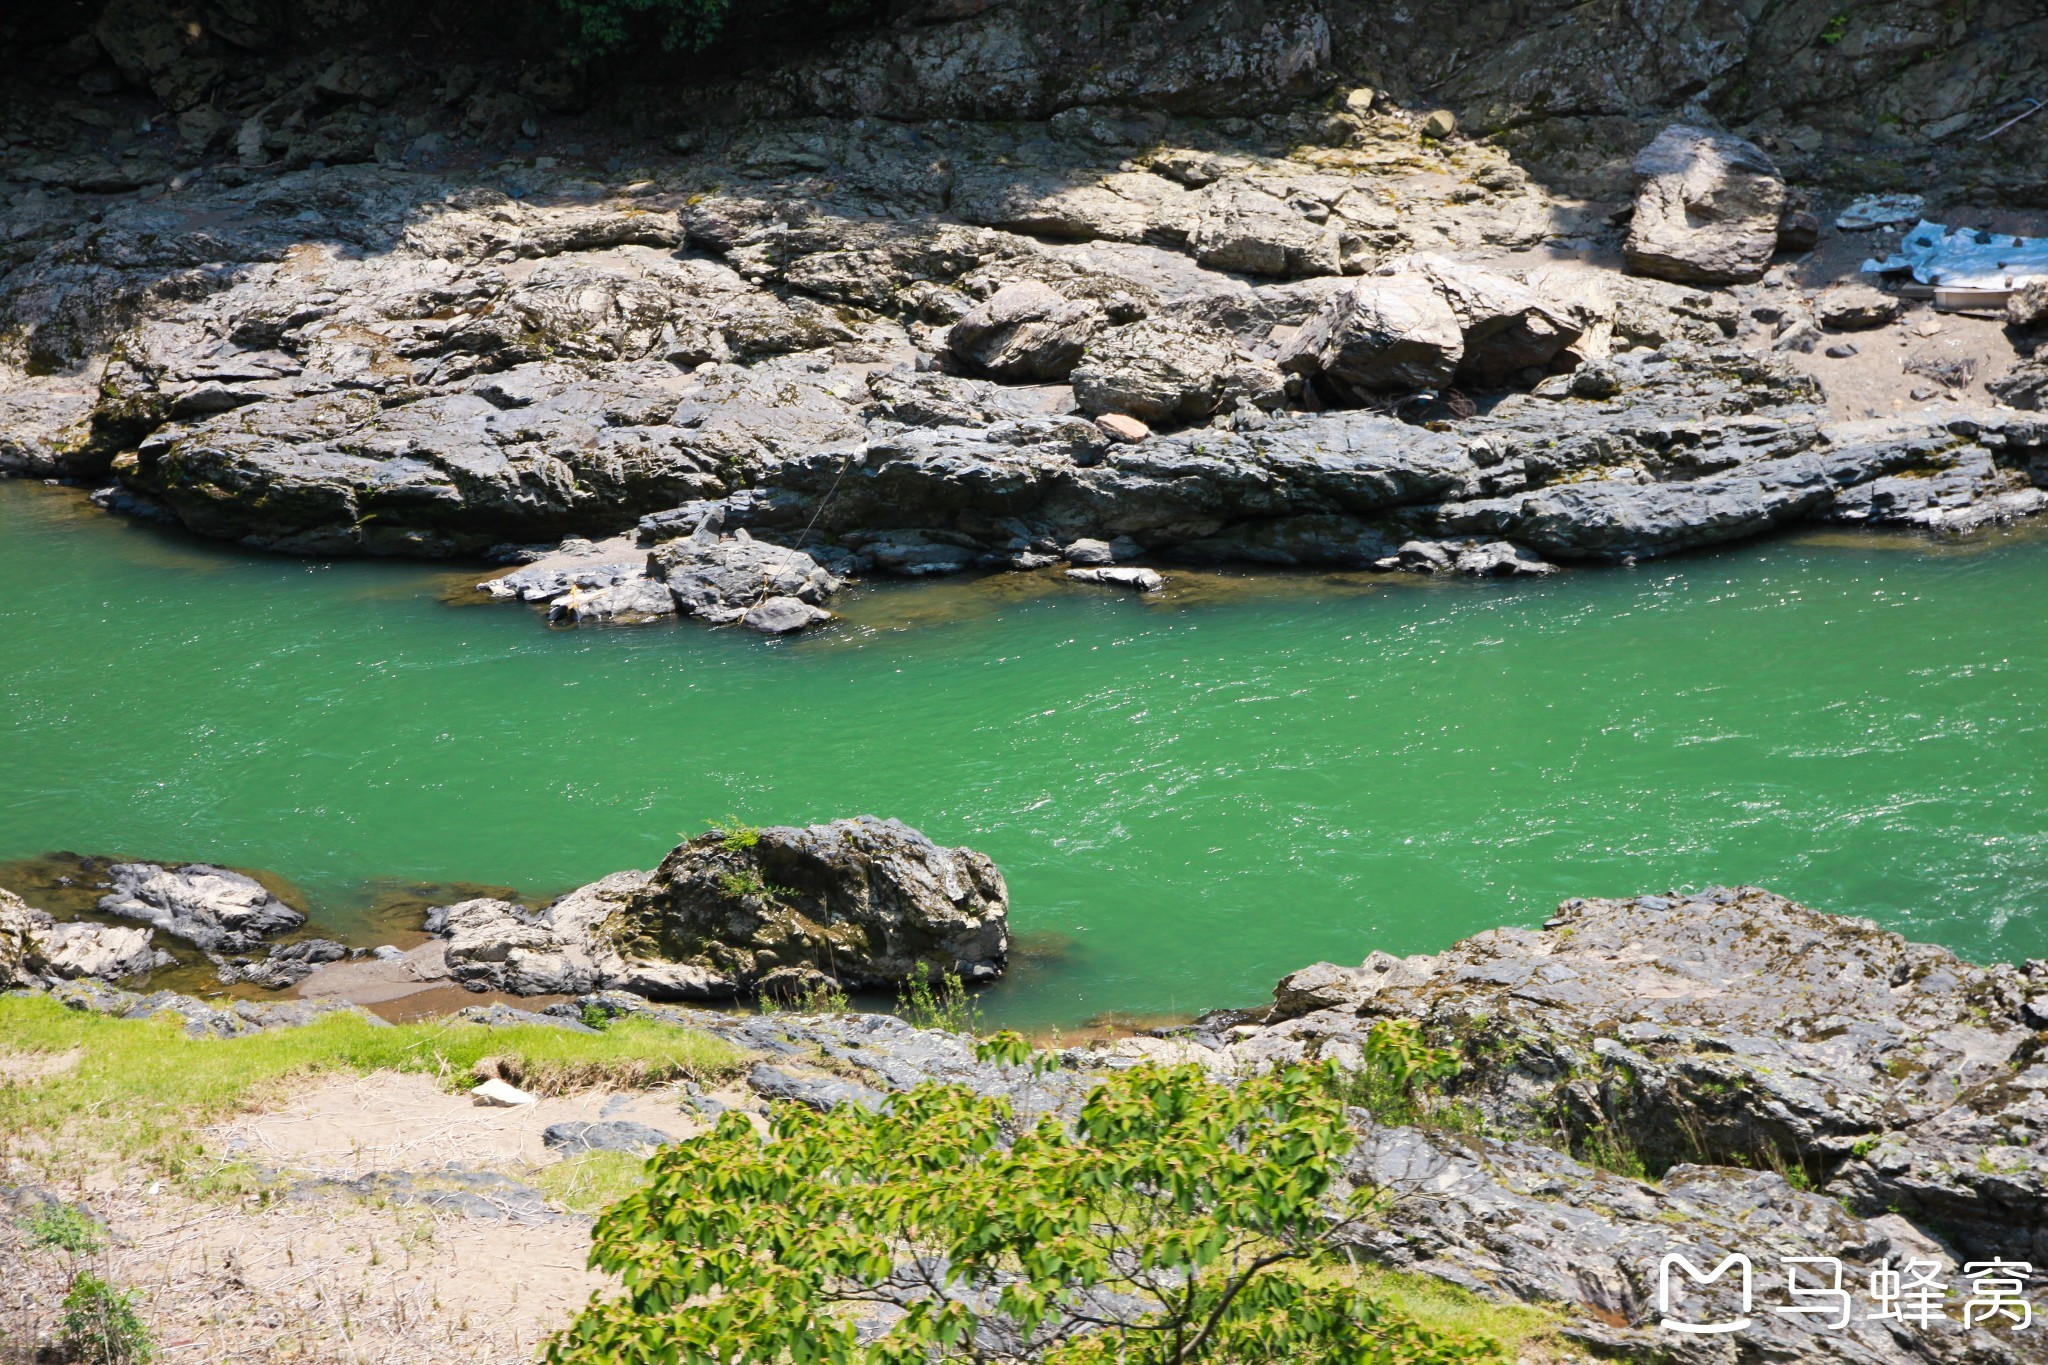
<point>1515,1221</point>
<point>1734,1026</point>
<point>864,902</point>
<point>606,1135</point>
<point>1422,321</point>
<point>733,578</point>
<point>34,947</point>
<point>1706,209</point>
<point>209,907</point>
<point>1026,330</point>
<point>2025,385</point>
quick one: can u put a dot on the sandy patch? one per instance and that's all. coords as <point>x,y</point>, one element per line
<point>334,1280</point>
<point>347,1126</point>
<point>26,1068</point>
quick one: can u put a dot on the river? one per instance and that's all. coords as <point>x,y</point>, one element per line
<point>1189,795</point>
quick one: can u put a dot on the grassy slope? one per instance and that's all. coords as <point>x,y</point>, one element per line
<point>142,1089</point>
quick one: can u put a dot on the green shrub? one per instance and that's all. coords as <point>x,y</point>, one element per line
<point>101,1326</point>
<point>66,1228</point>
<point>948,1005</point>
<point>1176,1220</point>
<point>1399,1075</point>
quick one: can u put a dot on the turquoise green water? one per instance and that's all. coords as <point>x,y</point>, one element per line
<point>1189,797</point>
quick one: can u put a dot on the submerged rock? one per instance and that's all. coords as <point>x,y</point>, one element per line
<point>287,964</point>
<point>209,907</point>
<point>866,903</point>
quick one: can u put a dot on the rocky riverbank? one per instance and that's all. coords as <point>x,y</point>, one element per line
<point>1699,1074</point>
<point>779,913</point>
<point>1342,332</point>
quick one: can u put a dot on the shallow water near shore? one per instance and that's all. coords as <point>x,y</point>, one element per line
<point>1190,796</point>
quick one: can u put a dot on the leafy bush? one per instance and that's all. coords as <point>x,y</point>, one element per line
<point>1175,1221</point>
<point>66,1228</point>
<point>101,1326</point>
<point>1399,1074</point>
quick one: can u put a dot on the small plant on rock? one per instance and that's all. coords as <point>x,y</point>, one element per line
<point>735,837</point>
<point>946,1004</point>
<point>99,1322</point>
<point>1399,1073</point>
<point>101,1326</point>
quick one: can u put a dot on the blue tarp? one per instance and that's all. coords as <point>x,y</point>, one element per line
<point>1966,258</point>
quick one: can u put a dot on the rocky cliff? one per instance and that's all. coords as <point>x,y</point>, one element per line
<point>957,293</point>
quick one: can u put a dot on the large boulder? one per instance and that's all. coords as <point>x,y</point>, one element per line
<point>35,947</point>
<point>1168,373</point>
<point>728,578</point>
<point>1505,325</point>
<point>209,907</point>
<point>1026,330</point>
<point>1246,229</point>
<point>871,903</point>
<point>1707,207</point>
<point>1422,322</point>
<point>864,902</point>
<point>1382,335</point>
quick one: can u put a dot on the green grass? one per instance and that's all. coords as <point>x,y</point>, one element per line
<point>142,1089</point>
<point>592,1182</point>
<point>1447,1308</point>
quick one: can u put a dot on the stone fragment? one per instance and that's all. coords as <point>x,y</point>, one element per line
<point>2028,306</point>
<point>1855,308</point>
<point>1438,124</point>
<point>1137,580</point>
<point>783,616</point>
<point>1087,553</point>
<point>1122,427</point>
<point>1706,208</point>
<point>1026,330</point>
